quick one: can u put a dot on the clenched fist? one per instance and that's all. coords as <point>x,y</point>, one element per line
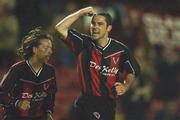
<point>120,88</point>
<point>24,104</point>
<point>88,11</point>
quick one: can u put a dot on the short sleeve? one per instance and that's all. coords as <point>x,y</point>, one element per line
<point>130,65</point>
<point>74,41</point>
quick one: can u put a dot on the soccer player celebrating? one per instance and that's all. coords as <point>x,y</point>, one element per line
<point>106,68</point>
<point>28,88</point>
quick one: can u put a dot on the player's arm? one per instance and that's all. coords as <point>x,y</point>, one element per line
<point>131,69</point>
<point>6,85</point>
<point>63,26</point>
<point>49,116</point>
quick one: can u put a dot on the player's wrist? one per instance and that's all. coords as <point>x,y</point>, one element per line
<point>49,111</point>
<point>80,13</point>
<point>16,104</point>
<point>49,116</point>
<point>126,84</point>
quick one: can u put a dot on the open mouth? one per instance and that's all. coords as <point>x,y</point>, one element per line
<point>95,33</point>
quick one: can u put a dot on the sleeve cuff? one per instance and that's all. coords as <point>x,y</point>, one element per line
<point>16,103</point>
<point>49,111</point>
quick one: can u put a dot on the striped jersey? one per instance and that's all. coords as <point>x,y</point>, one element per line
<point>100,67</point>
<point>21,82</point>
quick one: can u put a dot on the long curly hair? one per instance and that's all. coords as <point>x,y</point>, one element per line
<point>32,39</point>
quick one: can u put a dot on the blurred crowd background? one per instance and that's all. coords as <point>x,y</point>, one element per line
<point>150,28</point>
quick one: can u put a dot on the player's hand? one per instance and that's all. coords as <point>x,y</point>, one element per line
<point>49,116</point>
<point>88,11</point>
<point>120,88</point>
<point>24,104</point>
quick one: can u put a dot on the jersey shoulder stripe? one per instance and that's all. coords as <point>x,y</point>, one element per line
<point>119,43</point>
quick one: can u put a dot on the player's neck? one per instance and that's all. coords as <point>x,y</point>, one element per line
<point>35,63</point>
<point>102,42</point>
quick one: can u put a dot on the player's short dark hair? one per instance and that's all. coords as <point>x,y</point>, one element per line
<point>32,39</point>
<point>107,17</point>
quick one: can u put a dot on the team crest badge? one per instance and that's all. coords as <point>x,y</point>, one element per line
<point>115,60</point>
<point>45,86</point>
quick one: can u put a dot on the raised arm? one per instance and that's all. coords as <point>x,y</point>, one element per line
<point>6,85</point>
<point>63,26</point>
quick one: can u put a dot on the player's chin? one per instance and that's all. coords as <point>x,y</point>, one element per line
<point>95,38</point>
<point>46,59</point>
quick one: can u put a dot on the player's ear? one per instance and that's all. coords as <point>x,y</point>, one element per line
<point>109,28</point>
<point>34,49</point>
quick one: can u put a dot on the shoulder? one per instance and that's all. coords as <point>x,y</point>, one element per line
<point>119,44</point>
<point>49,66</point>
<point>19,64</point>
<point>116,42</point>
<point>75,33</point>
<point>49,70</point>
<point>15,68</point>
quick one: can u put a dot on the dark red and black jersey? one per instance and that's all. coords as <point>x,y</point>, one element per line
<point>100,67</point>
<point>21,82</point>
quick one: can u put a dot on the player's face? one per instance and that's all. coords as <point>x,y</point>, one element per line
<point>44,50</point>
<point>99,28</point>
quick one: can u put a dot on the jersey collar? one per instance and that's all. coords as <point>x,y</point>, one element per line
<point>103,48</point>
<point>32,69</point>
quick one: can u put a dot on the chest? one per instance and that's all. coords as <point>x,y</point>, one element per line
<point>102,58</point>
<point>26,89</point>
<point>28,81</point>
<point>102,62</point>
